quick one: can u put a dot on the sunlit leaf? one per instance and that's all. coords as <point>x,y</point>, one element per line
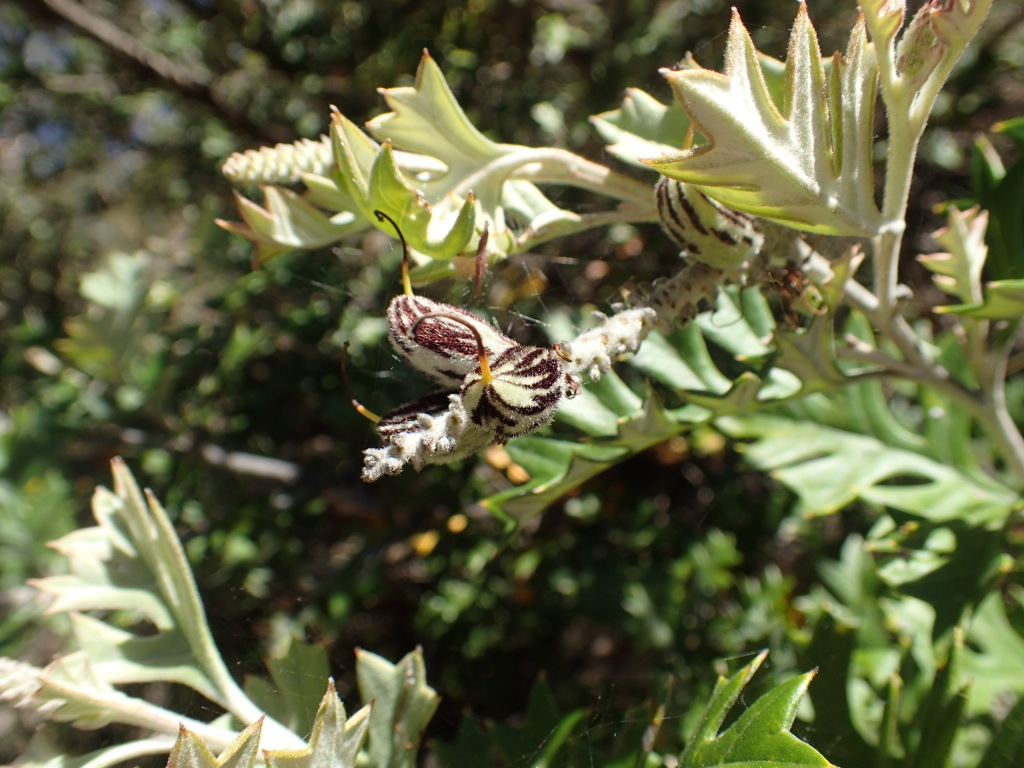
<point>191,752</point>
<point>760,736</point>
<point>830,468</point>
<point>804,162</point>
<point>335,741</point>
<point>958,272</point>
<point>642,127</point>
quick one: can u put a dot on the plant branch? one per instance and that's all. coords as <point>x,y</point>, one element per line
<point>559,166</point>
<point>130,752</point>
<point>990,412</point>
<point>115,38</point>
<point>1005,431</point>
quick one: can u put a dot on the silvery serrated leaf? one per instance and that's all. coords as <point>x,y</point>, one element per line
<point>958,271</point>
<point>119,657</point>
<point>426,119</point>
<point>335,741</point>
<point>782,162</point>
<point>69,690</point>
<point>133,561</point>
<point>642,127</point>
<point>288,222</point>
<point>190,751</point>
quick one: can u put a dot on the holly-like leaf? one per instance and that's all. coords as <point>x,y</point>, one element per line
<point>297,674</point>
<point>805,162</point>
<point>403,704</point>
<point>133,562</point>
<point>426,119</point>
<point>958,272</point>
<point>642,127</point>
<point>288,222</point>
<point>760,736</point>
<point>335,741</point>
<point>620,423</point>
<point>191,752</point>
<point>434,173</point>
<point>439,226</point>
<point>829,468</point>
<point>544,733</point>
<point>557,466</point>
<point>1004,300</point>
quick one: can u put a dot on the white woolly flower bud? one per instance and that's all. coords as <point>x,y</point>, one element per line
<point>592,351</point>
<point>435,429</point>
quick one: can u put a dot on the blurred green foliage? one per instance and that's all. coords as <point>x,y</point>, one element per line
<point>133,326</point>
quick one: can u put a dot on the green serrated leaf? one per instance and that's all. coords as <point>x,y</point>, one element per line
<point>335,741</point>
<point>403,704</point>
<point>298,672</point>
<point>810,356</point>
<point>121,657</point>
<point>760,736</point>
<point>544,733</point>
<point>1007,743</point>
<point>190,751</point>
<point>829,468</point>
<point>1004,300</point>
<point>354,154</point>
<point>557,466</point>
<point>996,663</point>
<point>742,397</point>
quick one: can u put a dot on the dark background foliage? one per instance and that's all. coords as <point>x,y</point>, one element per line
<point>177,356</point>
